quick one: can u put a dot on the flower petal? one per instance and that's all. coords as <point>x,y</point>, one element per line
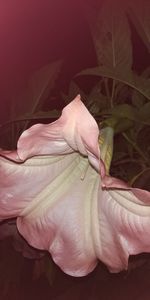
<point>11,155</point>
<point>61,223</point>
<point>75,130</point>
<point>22,182</point>
<point>32,188</point>
<point>53,197</point>
<point>109,182</point>
<point>124,227</point>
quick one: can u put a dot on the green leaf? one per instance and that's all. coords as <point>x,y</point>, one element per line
<point>139,12</point>
<point>125,169</point>
<point>118,124</point>
<point>121,117</point>
<point>125,111</point>
<point>96,100</point>
<point>138,100</point>
<point>144,112</point>
<point>40,85</point>
<point>143,140</point>
<point>111,35</point>
<point>38,89</point>
<point>127,77</point>
<point>74,90</point>
<point>42,82</point>
<point>52,114</point>
<point>142,180</point>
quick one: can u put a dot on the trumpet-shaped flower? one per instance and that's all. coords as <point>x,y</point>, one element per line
<point>64,200</point>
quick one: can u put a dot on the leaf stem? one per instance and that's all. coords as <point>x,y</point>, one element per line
<point>112,93</point>
<point>136,147</point>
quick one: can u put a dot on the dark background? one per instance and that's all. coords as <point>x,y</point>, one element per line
<point>32,34</point>
<point>35,33</point>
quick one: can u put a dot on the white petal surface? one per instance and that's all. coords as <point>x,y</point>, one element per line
<point>124,227</point>
<point>62,222</point>
<point>22,182</point>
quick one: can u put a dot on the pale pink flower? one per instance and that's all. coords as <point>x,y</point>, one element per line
<point>57,187</point>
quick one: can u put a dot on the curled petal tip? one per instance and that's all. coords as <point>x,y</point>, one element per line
<point>75,130</point>
<point>78,97</point>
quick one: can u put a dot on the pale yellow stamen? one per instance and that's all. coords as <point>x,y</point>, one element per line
<point>84,172</point>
